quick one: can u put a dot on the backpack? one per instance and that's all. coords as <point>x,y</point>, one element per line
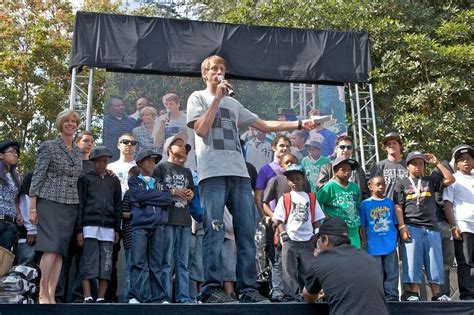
<point>287,205</point>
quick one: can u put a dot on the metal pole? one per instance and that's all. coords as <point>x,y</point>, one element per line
<point>353,115</point>
<point>374,123</point>
<point>359,122</point>
<point>72,96</point>
<point>90,90</point>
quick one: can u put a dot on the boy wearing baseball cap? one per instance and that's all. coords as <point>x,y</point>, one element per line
<point>340,197</point>
<point>177,231</point>
<point>459,208</point>
<point>415,207</point>
<point>297,214</point>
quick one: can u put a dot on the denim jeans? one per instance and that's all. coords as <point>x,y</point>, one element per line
<point>7,234</point>
<point>390,274</point>
<point>145,285</point>
<point>235,193</point>
<point>146,252</point>
<point>25,254</point>
<point>176,243</point>
<point>297,258</point>
<point>424,248</point>
<point>277,275</point>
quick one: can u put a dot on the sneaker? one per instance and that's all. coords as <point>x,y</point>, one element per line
<point>133,301</point>
<point>410,296</point>
<point>252,296</point>
<point>88,300</point>
<point>441,298</point>
<point>100,301</point>
<point>217,296</point>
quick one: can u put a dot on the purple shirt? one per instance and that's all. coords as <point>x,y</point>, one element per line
<point>267,172</point>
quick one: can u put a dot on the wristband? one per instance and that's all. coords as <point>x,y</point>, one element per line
<point>300,124</point>
<point>284,236</point>
<point>453,227</point>
<point>32,210</point>
<point>402,227</point>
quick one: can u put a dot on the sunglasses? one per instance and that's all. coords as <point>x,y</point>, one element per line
<point>346,147</point>
<point>127,142</point>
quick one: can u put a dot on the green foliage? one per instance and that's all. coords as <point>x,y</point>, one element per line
<point>422,55</point>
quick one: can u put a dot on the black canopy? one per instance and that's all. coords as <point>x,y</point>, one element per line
<point>177,47</point>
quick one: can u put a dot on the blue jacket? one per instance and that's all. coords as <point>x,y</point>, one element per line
<point>149,205</point>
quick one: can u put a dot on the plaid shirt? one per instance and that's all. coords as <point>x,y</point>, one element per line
<point>56,172</point>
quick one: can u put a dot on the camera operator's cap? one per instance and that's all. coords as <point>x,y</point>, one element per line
<point>353,163</point>
<point>5,144</point>
<point>289,113</point>
<point>415,155</point>
<point>313,143</point>
<point>392,136</point>
<point>293,168</point>
<point>145,153</point>
<point>334,226</point>
<point>100,151</point>
<point>180,135</point>
<point>461,149</point>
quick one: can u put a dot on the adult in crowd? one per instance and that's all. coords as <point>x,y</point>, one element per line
<point>116,123</point>
<point>10,213</point>
<point>394,167</point>
<point>349,278</point>
<point>54,200</point>
<point>258,150</point>
<point>298,139</point>
<point>85,141</point>
<point>344,148</point>
<point>146,134</point>
<point>224,180</point>
<point>141,103</point>
<point>25,250</point>
<point>329,138</point>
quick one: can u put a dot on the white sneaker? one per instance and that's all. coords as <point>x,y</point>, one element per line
<point>413,298</point>
<point>443,298</point>
<point>133,301</point>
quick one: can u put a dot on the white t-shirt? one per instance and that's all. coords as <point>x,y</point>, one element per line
<point>461,195</point>
<point>259,153</point>
<point>99,233</point>
<point>219,152</point>
<point>299,226</point>
<point>121,169</point>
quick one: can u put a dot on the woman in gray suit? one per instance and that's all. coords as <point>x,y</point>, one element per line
<point>55,199</point>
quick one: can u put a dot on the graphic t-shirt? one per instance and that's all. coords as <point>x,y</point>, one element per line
<point>300,223</point>
<point>312,168</point>
<point>259,153</point>
<point>177,177</point>
<point>219,153</point>
<point>342,202</point>
<point>461,195</point>
<point>121,169</point>
<point>419,208</point>
<point>392,172</point>
<point>377,216</point>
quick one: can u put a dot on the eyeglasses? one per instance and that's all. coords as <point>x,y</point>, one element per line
<point>127,142</point>
<point>346,147</point>
<point>12,152</point>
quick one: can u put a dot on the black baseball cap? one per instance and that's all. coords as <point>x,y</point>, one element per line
<point>100,151</point>
<point>461,149</point>
<point>334,226</point>
<point>392,136</point>
<point>143,154</point>
<point>9,143</point>
<point>341,159</point>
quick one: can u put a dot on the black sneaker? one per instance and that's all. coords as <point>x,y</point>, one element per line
<point>410,296</point>
<point>441,298</point>
<point>101,301</point>
<point>88,300</point>
<point>217,296</point>
<point>252,296</point>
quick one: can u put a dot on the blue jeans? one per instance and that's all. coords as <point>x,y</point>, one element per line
<point>7,234</point>
<point>390,273</point>
<point>176,243</point>
<point>145,285</point>
<point>25,254</point>
<point>146,252</point>
<point>235,193</point>
<point>424,248</point>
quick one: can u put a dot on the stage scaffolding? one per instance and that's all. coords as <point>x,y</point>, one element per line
<point>362,120</point>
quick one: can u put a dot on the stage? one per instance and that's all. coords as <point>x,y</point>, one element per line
<point>431,308</point>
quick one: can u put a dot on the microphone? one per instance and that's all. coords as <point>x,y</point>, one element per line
<point>229,91</point>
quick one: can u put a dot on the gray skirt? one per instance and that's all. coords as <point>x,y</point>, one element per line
<point>55,226</point>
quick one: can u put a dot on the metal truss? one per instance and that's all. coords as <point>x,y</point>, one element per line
<point>81,95</point>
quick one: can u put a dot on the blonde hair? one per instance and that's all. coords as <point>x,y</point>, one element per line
<point>170,97</point>
<point>64,115</point>
<point>148,110</point>
<point>206,64</point>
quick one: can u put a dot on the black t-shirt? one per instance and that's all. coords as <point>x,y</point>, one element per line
<point>176,176</point>
<point>392,172</point>
<point>351,281</point>
<point>420,210</point>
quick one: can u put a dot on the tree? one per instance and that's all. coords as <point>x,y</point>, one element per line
<point>35,37</point>
<point>422,55</point>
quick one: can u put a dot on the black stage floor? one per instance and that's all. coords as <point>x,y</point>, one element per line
<point>430,308</point>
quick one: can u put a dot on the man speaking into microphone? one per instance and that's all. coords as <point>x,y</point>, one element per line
<point>224,180</point>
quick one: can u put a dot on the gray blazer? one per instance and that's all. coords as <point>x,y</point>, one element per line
<point>56,172</point>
